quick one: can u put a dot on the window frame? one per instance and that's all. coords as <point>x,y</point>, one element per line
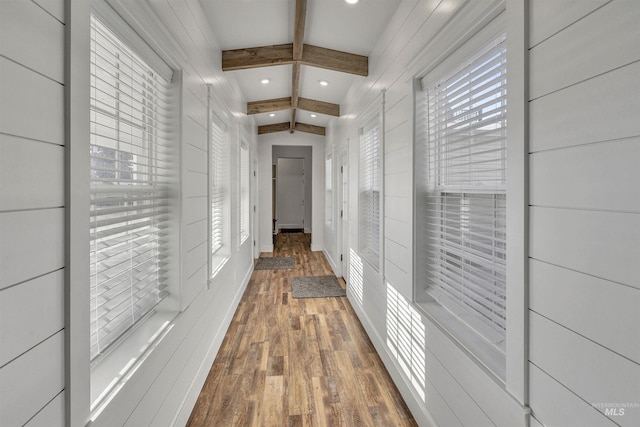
<point>108,372</point>
<point>371,121</point>
<point>218,192</point>
<point>493,361</point>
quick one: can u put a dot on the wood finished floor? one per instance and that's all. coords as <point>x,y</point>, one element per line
<point>297,362</point>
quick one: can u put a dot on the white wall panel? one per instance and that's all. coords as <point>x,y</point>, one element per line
<point>397,161</point>
<point>195,258</point>
<point>30,97</point>
<point>31,174</point>
<point>24,326</point>
<point>610,378</point>
<point>195,133</point>
<point>195,209</point>
<point>51,415</point>
<point>44,31</point>
<point>399,232</point>
<point>54,7</point>
<point>398,208</point>
<point>196,159</point>
<point>555,64</point>
<point>31,244</point>
<point>398,138</point>
<point>398,184</point>
<point>595,110</point>
<point>546,18</point>
<point>585,304</point>
<point>28,383</point>
<point>196,234</point>
<point>584,176</point>
<point>399,114</point>
<point>603,244</point>
<point>195,184</point>
<point>554,405</point>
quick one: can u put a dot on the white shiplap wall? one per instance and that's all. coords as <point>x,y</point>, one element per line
<point>585,212</point>
<point>32,220</point>
<point>441,384</point>
<point>32,207</point>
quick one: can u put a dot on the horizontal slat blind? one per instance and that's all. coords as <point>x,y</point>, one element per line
<point>218,161</point>
<point>129,192</point>
<point>244,193</point>
<point>465,124</point>
<point>370,187</point>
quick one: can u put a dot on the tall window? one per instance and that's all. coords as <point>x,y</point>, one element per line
<point>370,188</point>
<point>328,171</point>
<point>244,193</point>
<point>129,188</point>
<point>217,173</point>
<point>462,204</point>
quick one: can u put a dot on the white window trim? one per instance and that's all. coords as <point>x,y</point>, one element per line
<point>218,259</point>
<point>373,115</point>
<point>493,362</point>
<point>113,369</point>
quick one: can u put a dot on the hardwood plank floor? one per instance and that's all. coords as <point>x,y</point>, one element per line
<point>297,362</point>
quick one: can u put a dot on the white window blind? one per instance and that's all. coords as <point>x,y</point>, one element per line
<point>129,188</point>
<point>370,187</point>
<point>218,171</point>
<point>464,115</point>
<point>329,192</point>
<point>244,193</point>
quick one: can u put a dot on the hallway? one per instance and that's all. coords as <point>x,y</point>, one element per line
<point>297,362</point>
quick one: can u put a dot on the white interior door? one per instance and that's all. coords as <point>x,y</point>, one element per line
<point>254,210</point>
<point>290,193</point>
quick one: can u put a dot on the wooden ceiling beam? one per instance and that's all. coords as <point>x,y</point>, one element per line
<point>255,57</point>
<point>283,54</point>
<point>301,127</point>
<point>276,127</point>
<point>298,32</point>
<point>268,105</point>
<point>295,88</point>
<point>319,106</point>
<point>316,130</point>
<point>335,60</point>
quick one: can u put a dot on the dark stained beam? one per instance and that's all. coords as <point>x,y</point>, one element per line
<point>276,127</point>
<point>335,60</point>
<point>317,130</point>
<point>319,106</point>
<point>268,105</point>
<point>295,88</point>
<point>255,57</point>
<point>301,127</point>
<point>298,32</point>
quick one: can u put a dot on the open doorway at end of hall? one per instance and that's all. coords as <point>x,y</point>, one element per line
<point>291,203</point>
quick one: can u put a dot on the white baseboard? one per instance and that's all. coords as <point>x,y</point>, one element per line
<point>187,404</point>
<point>315,247</point>
<point>266,248</point>
<point>332,263</point>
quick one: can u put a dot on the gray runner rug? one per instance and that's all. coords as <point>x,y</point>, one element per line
<point>275,263</point>
<point>316,287</point>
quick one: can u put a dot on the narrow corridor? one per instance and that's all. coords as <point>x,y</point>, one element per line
<point>297,362</point>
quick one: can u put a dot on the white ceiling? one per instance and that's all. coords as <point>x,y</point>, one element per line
<point>332,24</point>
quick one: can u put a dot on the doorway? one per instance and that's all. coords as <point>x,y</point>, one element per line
<point>290,194</point>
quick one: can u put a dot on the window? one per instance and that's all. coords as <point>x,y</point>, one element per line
<point>328,170</point>
<point>244,193</point>
<point>218,193</point>
<point>369,194</point>
<point>129,188</point>
<point>461,193</point>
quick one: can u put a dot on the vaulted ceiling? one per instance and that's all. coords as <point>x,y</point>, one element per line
<point>296,45</point>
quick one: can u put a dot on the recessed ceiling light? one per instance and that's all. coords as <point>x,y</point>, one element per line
<point>351,1</point>
<point>272,115</point>
<point>265,80</point>
<point>313,115</point>
<point>323,83</point>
